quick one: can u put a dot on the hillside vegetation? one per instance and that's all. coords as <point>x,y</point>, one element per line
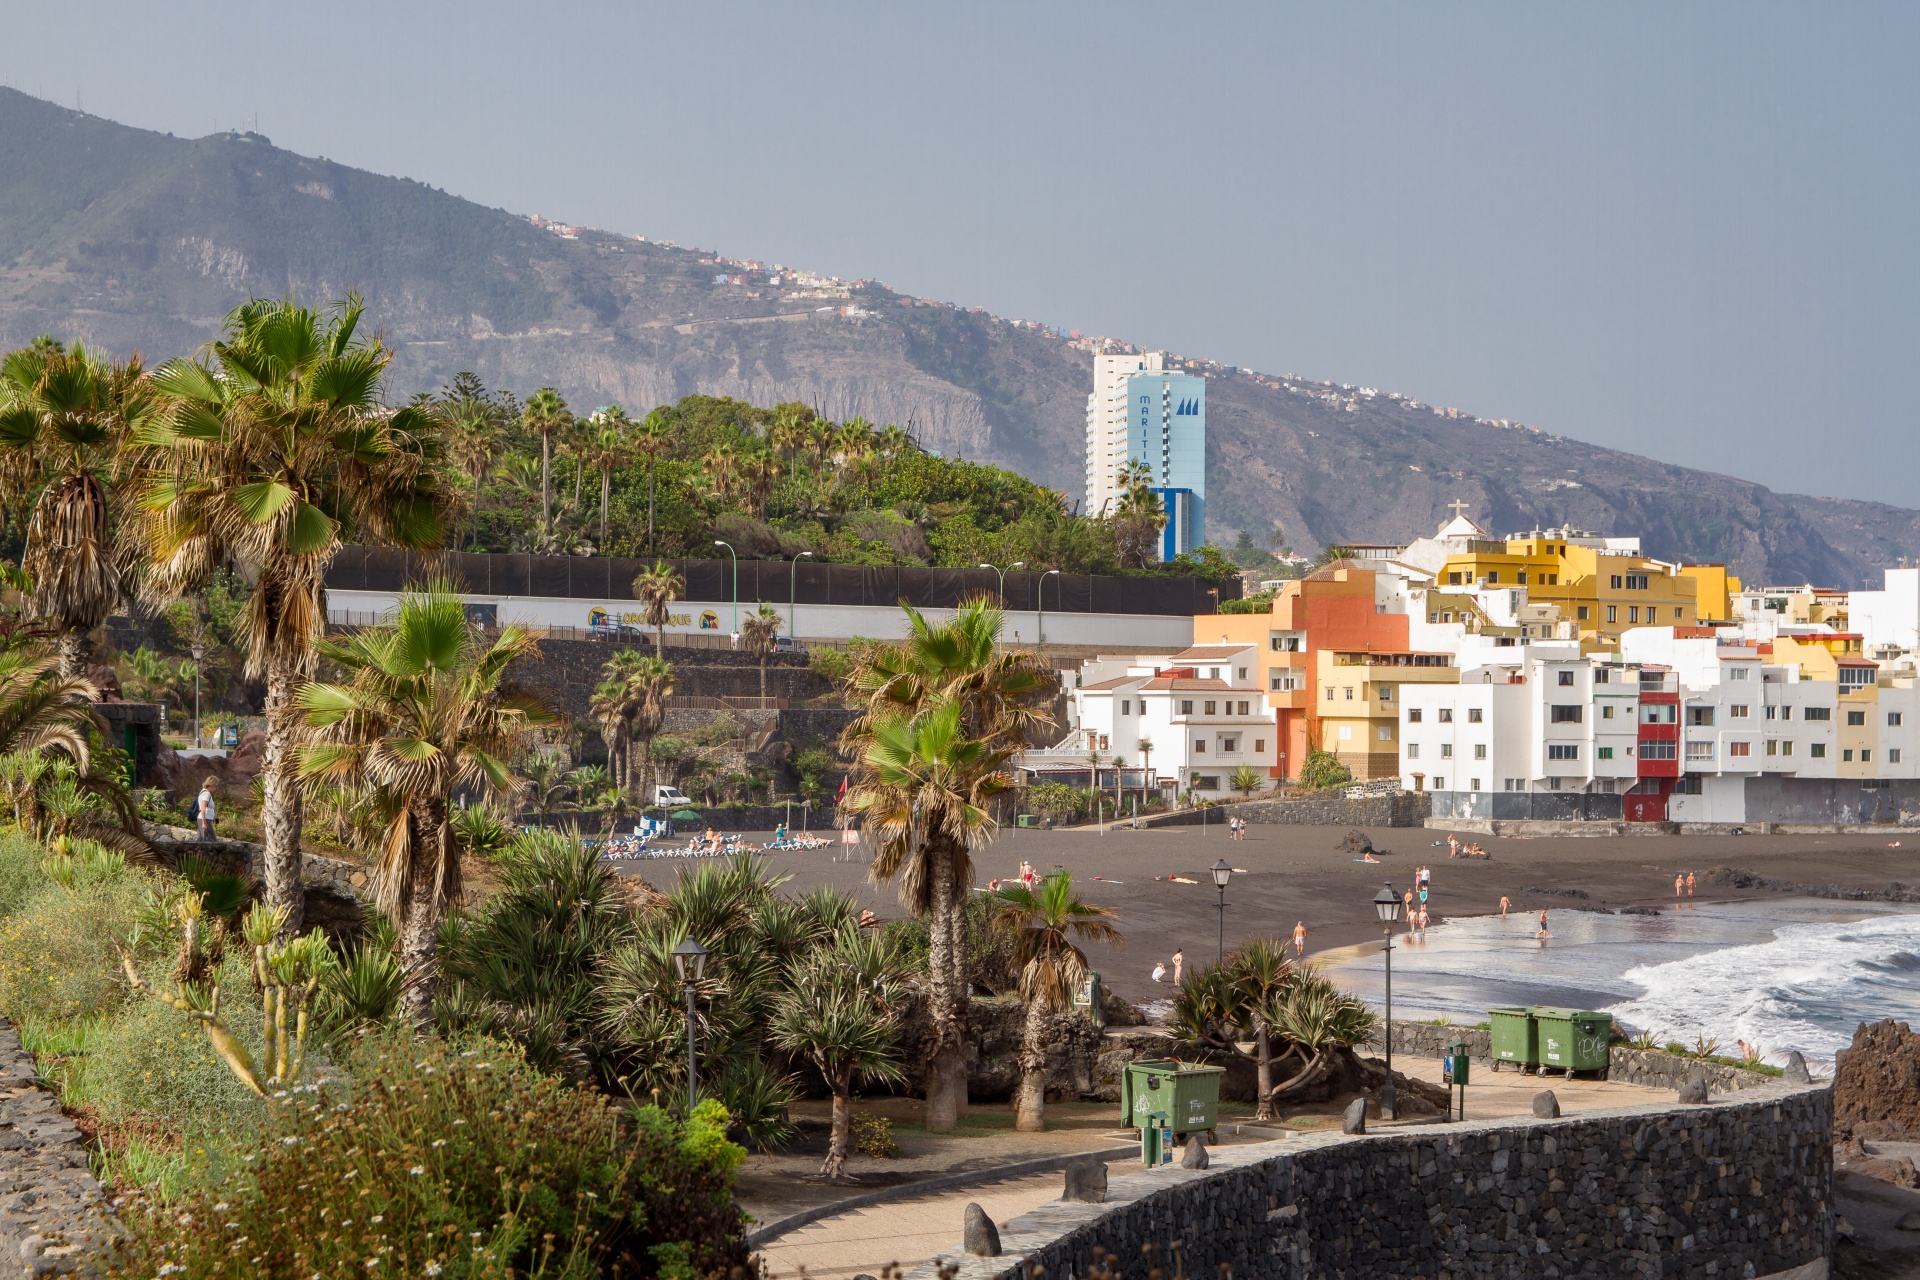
<point>136,240</point>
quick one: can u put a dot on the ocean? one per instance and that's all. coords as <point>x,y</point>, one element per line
<point>1783,973</point>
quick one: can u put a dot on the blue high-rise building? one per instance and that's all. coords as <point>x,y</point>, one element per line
<point>1141,412</point>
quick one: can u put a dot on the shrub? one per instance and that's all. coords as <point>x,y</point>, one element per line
<point>455,1160</point>
<point>20,875</point>
<point>829,662</point>
<point>57,952</point>
<point>873,1136</point>
<point>1323,770</point>
<point>1057,799</point>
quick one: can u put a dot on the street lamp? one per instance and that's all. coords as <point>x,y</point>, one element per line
<point>199,652</point>
<point>736,583</point>
<point>1386,904</point>
<point>1221,874</point>
<point>1017,564</point>
<point>793,582</point>
<point>690,961</point>
<point>1040,608</point>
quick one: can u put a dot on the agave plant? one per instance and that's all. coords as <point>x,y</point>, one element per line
<point>1705,1046</point>
<point>1646,1041</point>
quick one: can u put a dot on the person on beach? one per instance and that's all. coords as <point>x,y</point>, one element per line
<point>1425,920</point>
<point>1407,901</point>
<point>1453,846</point>
<point>1160,971</point>
<point>1689,884</point>
<point>1542,932</point>
<point>203,808</point>
<point>1679,886</point>
<point>1300,938</point>
<point>1179,963</point>
<point>1505,902</point>
<point>1423,897</point>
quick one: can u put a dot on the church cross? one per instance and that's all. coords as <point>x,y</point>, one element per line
<point>1458,507</point>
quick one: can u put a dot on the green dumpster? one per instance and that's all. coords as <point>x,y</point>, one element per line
<point>1188,1094</point>
<point>1026,820</point>
<point>1515,1038</point>
<point>1573,1039</point>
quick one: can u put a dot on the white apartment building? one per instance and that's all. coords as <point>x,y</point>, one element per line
<point>1888,620</point>
<point>1192,717</point>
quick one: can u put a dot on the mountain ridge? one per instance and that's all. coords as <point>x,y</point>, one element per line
<point>136,240</point>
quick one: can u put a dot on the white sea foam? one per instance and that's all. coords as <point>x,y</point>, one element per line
<point>1806,988</point>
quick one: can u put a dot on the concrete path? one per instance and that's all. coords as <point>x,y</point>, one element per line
<point>1492,1094</point>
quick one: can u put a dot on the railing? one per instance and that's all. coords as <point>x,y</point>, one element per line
<point>699,702</point>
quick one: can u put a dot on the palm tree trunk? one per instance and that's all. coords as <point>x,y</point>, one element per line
<point>645,786</point>
<point>943,965</point>
<point>546,480</point>
<point>763,680</point>
<point>75,648</point>
<point>660,642</point>
<point>419,931</point>
<point>606,493</point>
<point>962,994</point>
<point>1263,1072</point>
<point>649,504</point>
<point>840,1135</point>
<point>1030,1099</point>
<point>280,811</point>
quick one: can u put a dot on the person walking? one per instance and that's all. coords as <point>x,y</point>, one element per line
<point>1300,938</point>
<point>1542,933</point>
<point>1689,884</point>
<point>1505,902</point>
<point>1679,886</point>
<point>203,808</point>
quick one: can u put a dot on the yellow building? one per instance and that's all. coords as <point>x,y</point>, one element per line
<point>1358,704</point>
<point>1600,591</point>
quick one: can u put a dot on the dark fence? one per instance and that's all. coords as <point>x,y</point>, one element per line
<point>611,578</point>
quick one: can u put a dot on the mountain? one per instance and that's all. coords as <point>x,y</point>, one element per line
<point>131,239</point>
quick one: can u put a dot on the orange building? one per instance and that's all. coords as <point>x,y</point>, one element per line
<point>1342,608</point>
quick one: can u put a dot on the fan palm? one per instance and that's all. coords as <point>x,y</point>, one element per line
<point>653,684</point>
<point>657,588</point>
<point>65,422</point>
<point>1043,920</point>
<point>546,413</point>
<point>920,785</point>
<point>758,635</point>
<point>475,432</point>
<point>607,446</point>
<point>265,460</point>
<point>612,707</point>
<point>426,708</point>
<point>652,437</point>
<point>723,468</point>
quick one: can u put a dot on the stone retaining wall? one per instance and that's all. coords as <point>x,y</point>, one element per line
<point>50,1206</point>
<point>1627,1066</point>
<point>1332,809</point>
<point>1736,1188</point>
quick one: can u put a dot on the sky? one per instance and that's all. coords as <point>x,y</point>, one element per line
<point>1682,230</point>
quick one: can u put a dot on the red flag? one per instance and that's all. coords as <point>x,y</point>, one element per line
<point>842,793</point>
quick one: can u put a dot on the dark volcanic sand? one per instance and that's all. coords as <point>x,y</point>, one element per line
<point>1297,873</point>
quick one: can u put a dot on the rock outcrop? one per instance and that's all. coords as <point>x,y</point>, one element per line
<point>1876,1083</point>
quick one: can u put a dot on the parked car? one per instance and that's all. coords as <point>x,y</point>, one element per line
<point>787,644</point>
<point>671,797</point>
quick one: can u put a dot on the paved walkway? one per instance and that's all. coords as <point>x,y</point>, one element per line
<point>1492,1094</point>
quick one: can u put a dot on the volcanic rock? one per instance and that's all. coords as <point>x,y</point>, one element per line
<point>1876,1083</point>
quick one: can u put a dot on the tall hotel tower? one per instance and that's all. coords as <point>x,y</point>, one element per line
<point>1141,412</point>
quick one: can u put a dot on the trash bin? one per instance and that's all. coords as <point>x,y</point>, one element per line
<point>1515,1038</point>
<point>1026,820</point>
<point>1187,1093</point>
<point>1573,1039</point>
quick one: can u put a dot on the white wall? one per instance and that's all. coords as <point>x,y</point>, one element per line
<point>1890,616</point>
<point>1115,631</point>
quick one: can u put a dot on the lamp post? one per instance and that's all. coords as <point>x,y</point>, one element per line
<point>199,652</point>
<point>793,582</point>
<point>690,961</point>
<point>1002,592</point>
<point>1386,904</point>
<point>1040,608</point>
<point>1221,874</point>
<point>736,583</point>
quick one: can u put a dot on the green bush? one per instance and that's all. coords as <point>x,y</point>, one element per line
<point>57,953</point>
<point>1323,770</point>
<point>1058,800</point>
<point>20,874</point>
<point>454,1159</point>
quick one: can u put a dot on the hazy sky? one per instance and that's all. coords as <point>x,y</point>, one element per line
<point>1688,231</point>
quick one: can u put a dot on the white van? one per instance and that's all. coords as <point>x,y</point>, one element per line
<point>671,797</point>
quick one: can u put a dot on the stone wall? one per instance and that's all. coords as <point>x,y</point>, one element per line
<point>568,671</point>
<point>1625,1065</point>
<point>50,1205</point>
<point>1737,1188</point>
<point>1331,809</point>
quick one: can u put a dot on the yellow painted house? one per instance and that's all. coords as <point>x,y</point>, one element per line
<point>1601,591</point>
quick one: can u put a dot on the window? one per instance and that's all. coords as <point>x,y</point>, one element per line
<point>1856,677</point>
<point>1386,693</point>
<point>1473,784</point>
<point>1243,708</point>
<point>1563,751</point>
<point>1213,673</point>
<point>1893,755</point>
<point>1186,706</point>
<point>1566,679</point>
<point>1565,713</point>
<point>1616,582</point>
<point>1229,746</point>
<point>1688,785</point>
<point>1479,751</point>
<point>1866,753</point>
<point>1413,715</point>
<point>1699,751</point>
<point>1856,717</point>
<point>1845,754</point>
<point>1613,614</point>
<point>1600,675</point>
<point>1605,753</point>
<point>1206,782</point>
<point>1737,673</point>
<point>1581,613</point>
<point>1413,751</point>
<point>1738,711</point>
<point>1439,782</point>
<point>1329,693</point>
<point>1636,582</point>
<point>1243,673</point>
<point>1349,693</point>
<point>1384,733</point>
<point>1816,713</point>
<point>1606,712</point>
<point>1893,718</point>
<point>1746,749</point>
<point>1446,751</point>
<point>1633,613</point>
<point>1786,748</point>
<point>1700,715</point>
<point>1473,715</point>
<point>1659,713</point>
<point>1199,746</point>
<point>1126,707</point>
<point>1446,715</point>
<point>1453,579</point>
<point>1786,711</point>
<point>1521,577</point>
<point>1676,613</point>
<point>1658,750</point>
<point>1773,713</point>
<point>1284,644</point>
<point>1259,746</point>
<point>1493,578</point>
<point>1209,708</point>
<point>1818,750</point>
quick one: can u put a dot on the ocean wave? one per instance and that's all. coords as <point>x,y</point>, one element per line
<point>1806,988</point>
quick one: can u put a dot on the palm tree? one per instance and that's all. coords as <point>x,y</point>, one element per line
<point>265,460</point>
<point>759,471</point>
<point>546,413</point>
<point>65,421</point>
<point>652,437</point>
<point>921,784</point>
<point>546,783</point>
<point>607,447</point>
<point>475,431</point>
<point>758,635</point>
<point>1231,1004</point>
<point>722,466</point>
<point>1043,920</point>
<point>1245,780</point>
<point>612,706</point>
<point>999,698</point>
<point>426,709</point>
<point>652,682</point>
<point>1146,766</point>
<point>841,1009</point>
<point>657,588</point>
